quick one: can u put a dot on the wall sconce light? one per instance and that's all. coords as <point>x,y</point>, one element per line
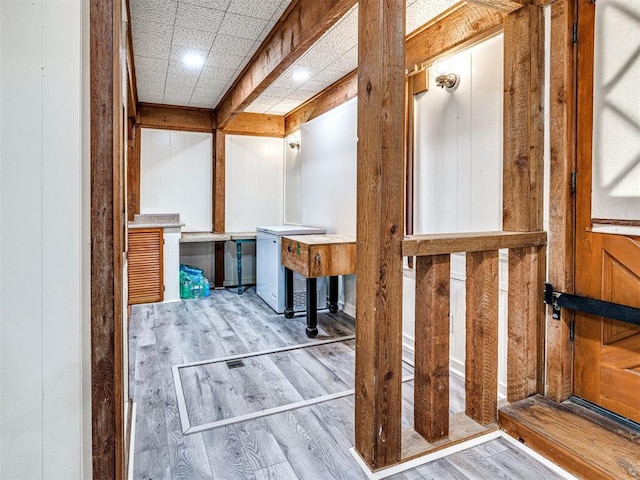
<point>449,80</point>
<point>294,145</point>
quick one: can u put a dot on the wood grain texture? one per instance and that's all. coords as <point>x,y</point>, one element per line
<point>458,27</point>
<point>523,120</point>
<point>218,182</point>
<point>256,124</point>
<point>133,170</point>
<point>380,227</point>
<point>506,6</point>
<point>170,117</point>
<point>447,243</point>
<point>145,275</point>
<point>315,256</point>
<point>336,94</point>
<point>132,84</point>
<point>525,323</point>
<point>431,394</point>
<point>562,139</point>
<point>107,240</point>
<point>481,361</point>
<point>304,23</point>
<point>568,437</point>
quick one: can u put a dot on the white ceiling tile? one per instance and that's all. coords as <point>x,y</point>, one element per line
<point>151,64</point>
<point>179,68</point>
<point>256,108</point>
<point>218,74</point>
<point>421,11</point>
<point>198,18</point>
<point>285,106</point>
<point>202,101</point>
<point>264,9</point>
<point>346,62</point>
<point>196,39</point>
<point>299,95</point>
<point>242,26</point>
<point>178,52</point>
<point>151,39</point>
<point>176,97</point>
<point>232,45</point>
<point>176,81</point>
<point>158,11</point>
<point>214,4</point>
<point>218,59</point>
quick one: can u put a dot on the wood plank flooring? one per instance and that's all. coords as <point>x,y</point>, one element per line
<point>306,443</point>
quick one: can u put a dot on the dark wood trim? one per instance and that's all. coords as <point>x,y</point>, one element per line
<point>132,86</point>
<point>336,94</point>
<point>107,242</point>
<point>458,27</point>
<point>299,28</point>
<point>257,124</point>
<point>133,169</point>
<point>380,228</point>
<point>620,223</point>
<point>562,139</point>
<point>218,183</point>
<point>170,117</point>
<point>441,243</point>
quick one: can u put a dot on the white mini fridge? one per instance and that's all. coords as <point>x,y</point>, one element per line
<point>270,272</point>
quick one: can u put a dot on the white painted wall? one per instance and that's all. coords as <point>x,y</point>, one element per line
<point>176,175</point>
<point>458,181</point>
<point>43,322</point>
<point>320,180</point>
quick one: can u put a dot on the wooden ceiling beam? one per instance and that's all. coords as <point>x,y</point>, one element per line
<point>506,6</point>
<point>132,88</point>
<point>462,25</point>
<point>336,94</point>
<point>170,117</point>
<point>257,124</point>
<point>299,28</point>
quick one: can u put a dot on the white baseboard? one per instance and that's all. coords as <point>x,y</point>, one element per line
<point>349,309</point>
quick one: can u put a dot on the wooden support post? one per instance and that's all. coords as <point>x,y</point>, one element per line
<point>431,391</point>
<point>523,193</point>
<point>562,107</point>
<point>525,311</point>
<point>133,170</point>
<point>218,190</point>
<point>380,229</point>
<point>481,363</point>
<point>107,240</point>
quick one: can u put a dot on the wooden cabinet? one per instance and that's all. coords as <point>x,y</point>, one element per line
<point>146,283</point>
<point>319,255</point>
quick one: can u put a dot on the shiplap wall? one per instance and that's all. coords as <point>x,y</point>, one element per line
<point>43,224</point>
<point>175,176</point>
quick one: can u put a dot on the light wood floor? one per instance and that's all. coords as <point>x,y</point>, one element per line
<point>307,443</point>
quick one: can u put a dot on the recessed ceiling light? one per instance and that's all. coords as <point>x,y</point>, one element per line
<point>193,60</point>
<point>300,75</point>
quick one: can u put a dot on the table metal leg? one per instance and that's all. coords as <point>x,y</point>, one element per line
<point>312,308</point>
<point>239,257</point>
<point>333,294</point>
<point>288,293</point>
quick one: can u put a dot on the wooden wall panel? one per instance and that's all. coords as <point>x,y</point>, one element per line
<point>146,283</point>
<point>380,228</point>
<point>562,107</point>
<point>169,117</point>
<point>431,392</point>
<point>481,362</point>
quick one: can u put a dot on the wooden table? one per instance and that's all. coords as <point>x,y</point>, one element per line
<point>314,256</point>
<point>240,238</point>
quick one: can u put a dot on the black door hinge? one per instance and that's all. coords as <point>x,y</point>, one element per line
<point>574,34</point>
<point>573,182</point>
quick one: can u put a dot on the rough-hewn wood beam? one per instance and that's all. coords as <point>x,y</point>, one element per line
<point>562,107</point>
<point>257,124</point>
<point>458,27</point>
<point>170,117</point>
<point>132,100</point>
<point>380,227</point>
<point>305,23</point>
<point>338,93</point>
<point>506,6</point>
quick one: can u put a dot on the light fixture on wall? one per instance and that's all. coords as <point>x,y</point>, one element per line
<point>294,145</point>
<point>449,80</point>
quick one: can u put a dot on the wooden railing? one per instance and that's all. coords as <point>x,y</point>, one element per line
<point>525,312</point>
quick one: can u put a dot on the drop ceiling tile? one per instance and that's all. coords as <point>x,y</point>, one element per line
<point>151,39</point>
<point>326,77</point>
<point>178,52</point>
<point>195,39</point>
<point>315,59</point>
<point>242,26</point>
<point>224,60</point>
<point>299,95</point>
<point>158,11</point>
<point>179,68</point>
<point>257,108</point>
<point>232,45</point>
<point>177,97</point>
<point>150,64</point>
<point>198,18</point>
<point>284,107</point>
<point>176,82</point>
<point>264,9</point>
<point>201,103</point>
<point>313,86</point>
<point>347,62</point>
<point>421,11</point>
<point>217,74</point>
<point>213,4</point>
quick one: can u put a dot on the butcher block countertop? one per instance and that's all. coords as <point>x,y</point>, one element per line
<point>319,255</point>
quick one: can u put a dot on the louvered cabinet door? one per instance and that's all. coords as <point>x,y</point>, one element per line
<point>146,283</point>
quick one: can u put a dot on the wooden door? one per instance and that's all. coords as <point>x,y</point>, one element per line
<point>607,352</point>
